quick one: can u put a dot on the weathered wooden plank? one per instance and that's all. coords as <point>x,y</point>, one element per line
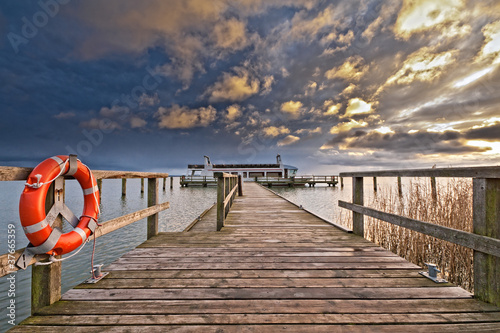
<point>263,259</point>
<point>265,273</point>
<point>298,318</point>
<point>480,243</point>
<point>260,265</point>
<point>353,282</point>
<point>296,328</point>
<point>265,293</point>
<point>351,306</point>
<point>147,252</point>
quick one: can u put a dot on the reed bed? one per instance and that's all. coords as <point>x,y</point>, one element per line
<point>453,208</point>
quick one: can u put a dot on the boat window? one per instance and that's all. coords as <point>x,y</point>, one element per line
<point>244,175</point>
<point>274,174</point>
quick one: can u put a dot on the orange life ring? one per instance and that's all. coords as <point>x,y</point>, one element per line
<point>32,204</point>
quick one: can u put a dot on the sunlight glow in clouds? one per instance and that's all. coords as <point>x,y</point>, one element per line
<point>421,15</point>
<point>493,147</point>
<point>473,77</point>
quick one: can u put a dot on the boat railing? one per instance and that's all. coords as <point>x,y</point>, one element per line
<point>485,238</point>
<point>46,279</point>
<point>227,186</point>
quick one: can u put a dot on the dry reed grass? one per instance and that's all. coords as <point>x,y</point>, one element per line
<point>453,208</point>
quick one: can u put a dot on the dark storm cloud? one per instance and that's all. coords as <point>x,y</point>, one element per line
<point>489,133</point>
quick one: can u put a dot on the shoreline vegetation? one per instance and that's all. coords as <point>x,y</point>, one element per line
<point>453,208</point>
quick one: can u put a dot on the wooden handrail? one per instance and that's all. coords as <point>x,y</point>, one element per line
<point>227,187</point>
<point>17,173</point>
<point>485,239</point>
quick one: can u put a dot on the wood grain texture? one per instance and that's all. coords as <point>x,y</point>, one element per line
<point>302,276</point>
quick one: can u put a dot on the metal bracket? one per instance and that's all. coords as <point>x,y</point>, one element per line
<point>432,273</point>
<point>97,273</point>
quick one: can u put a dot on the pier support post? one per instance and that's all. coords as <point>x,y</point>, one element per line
<point>486,222</point>
<point>164,184</point>
<point>142,185</point>
<point>152,201</point>
<point>46,280</point>
<point>357,198</point>
<point>240,186</point>
<point>375,184</point>
<point>99,186</point>
<point>400,187</point>
<point>171,182</point>
<point>341,182</point>
<point>124,187</point>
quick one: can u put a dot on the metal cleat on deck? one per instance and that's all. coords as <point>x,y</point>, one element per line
<point>97,274</point>
<point>432,273</point>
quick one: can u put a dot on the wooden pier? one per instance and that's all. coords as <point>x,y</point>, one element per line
<point>272,268</point>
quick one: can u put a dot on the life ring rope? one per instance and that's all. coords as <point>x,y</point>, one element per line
<point>38,226</point>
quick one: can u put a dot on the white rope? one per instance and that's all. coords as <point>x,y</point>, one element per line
<point>38,184</point>
<point>53,258</point>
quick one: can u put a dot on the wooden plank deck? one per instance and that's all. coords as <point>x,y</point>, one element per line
<point>272,268</point>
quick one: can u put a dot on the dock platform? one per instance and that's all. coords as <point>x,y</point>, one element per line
<point>272,268</point>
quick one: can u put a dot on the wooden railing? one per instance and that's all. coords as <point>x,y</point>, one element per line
<point>46,280</point>
<point>227,185</point>
<point>486,220</point>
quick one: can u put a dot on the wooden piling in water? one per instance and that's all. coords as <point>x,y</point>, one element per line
<point>171,182</point>
<point>99,186</point>
<point>142,185</point>
<point>374,184</point>
<point>164,183</point>
<point>124,187</point>
<point>400,187</point>
<point>341,182</point>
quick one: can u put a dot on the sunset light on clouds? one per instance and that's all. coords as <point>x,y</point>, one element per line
<point>330,85</point>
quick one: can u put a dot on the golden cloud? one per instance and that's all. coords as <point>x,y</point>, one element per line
<point>422,65</point>
<point>292,108</point>
<point>356,107</point>
<point>274,131</point>
<point>230,34</point>
<point>233,87</point>
<point>288,140</point>
<point>233,112</point>
<point>346,127</point>
<point>177,117</point>
<point>351,70</point>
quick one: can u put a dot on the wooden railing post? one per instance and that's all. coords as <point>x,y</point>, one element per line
<point>486,222</point>
<point>46,279</point>
<point>220,200</point>
<point>357,198</point>
<point>152,201</point>
<point>433,189</point>
<point>240,186</point>
<point>124,187</point>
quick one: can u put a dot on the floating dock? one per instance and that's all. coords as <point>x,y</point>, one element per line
<point>272,268</point>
